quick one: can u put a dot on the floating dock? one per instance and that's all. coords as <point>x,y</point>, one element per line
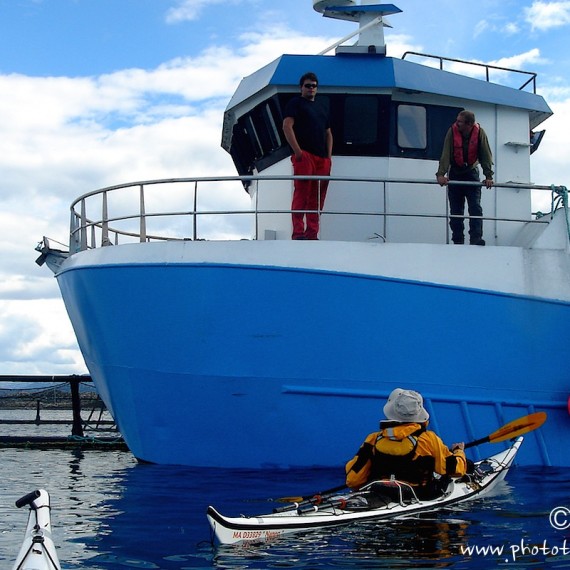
<point>71,442</point>
<point>101,434</point>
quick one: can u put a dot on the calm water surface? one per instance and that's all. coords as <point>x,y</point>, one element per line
<point>110,512</point>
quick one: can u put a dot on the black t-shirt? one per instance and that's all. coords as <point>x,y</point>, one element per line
<point>311,122</point>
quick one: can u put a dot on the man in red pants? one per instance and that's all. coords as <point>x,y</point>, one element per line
<point>307,130</point>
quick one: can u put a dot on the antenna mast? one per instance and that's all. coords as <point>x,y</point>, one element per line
<point>371,20</point>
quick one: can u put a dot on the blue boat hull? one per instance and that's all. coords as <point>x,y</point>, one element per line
<point>214,364</point>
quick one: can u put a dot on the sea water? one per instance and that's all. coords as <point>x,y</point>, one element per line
<point>110,512</point>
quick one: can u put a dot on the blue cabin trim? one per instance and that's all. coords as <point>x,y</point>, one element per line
<point>362,71</point>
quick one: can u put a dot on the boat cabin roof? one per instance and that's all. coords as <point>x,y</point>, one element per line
<point>363,72</point>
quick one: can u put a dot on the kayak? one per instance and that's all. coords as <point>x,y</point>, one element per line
<point>38,550</point>
<point>378,500</point>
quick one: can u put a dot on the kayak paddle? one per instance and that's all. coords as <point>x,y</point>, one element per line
<point>511,430</point>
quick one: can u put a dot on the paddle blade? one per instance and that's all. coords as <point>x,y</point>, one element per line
<point>290,499</point>
<point>518,427</point>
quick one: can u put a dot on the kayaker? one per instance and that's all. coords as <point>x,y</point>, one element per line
<point>405,450</point>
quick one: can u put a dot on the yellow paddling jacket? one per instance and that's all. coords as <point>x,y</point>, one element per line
<point>407,452</point>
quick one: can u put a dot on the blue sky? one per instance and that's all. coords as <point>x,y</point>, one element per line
<point>91,37</point>
<point>99,92</point>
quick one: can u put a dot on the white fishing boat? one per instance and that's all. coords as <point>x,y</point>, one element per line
<point>216,340</point>
<point>38,549</point>
<point>377,501</point>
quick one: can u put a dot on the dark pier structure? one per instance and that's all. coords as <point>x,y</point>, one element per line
<point>91,433</point>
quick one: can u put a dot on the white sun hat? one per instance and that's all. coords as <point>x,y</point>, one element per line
<point>405,406</point>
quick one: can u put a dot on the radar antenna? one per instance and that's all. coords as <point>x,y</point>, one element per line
<point>370,17</point>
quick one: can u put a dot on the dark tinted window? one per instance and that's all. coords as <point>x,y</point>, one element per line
<point>362,125</point>
<point>361,120</point>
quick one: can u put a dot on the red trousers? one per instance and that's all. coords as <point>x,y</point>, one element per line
<point>309,194</point>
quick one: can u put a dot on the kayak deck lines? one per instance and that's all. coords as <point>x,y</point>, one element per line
<point>38,550</point>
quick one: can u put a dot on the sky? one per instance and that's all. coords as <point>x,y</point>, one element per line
<point>100,92</point>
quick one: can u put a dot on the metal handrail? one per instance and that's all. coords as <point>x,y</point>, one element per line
<point>82,224</point>
<point>487,67</point>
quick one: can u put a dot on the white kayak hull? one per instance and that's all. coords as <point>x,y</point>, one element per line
<point>333,512</point>
<point>38,549</point>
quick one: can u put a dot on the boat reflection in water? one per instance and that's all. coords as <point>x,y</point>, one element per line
<point>109,512</point>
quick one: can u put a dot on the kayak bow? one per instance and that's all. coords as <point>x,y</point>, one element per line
<point>379,500</point>
<point>38,550</point>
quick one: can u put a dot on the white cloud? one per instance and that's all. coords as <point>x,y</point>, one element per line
<point>480,28</point>
<point>546,15</point>
<point>63,137</point>
<point>549,165</point>
<point>188,10</point>
<point>36,337</point>
<point>521,60</point>
<point>511,29</point>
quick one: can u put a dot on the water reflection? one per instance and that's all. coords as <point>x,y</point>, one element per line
<point>109,512</point>
<point>414,539</point>
<point>412,542</point>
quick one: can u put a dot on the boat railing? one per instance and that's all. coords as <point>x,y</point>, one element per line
<point>107,217</point>
<point>486,66</point>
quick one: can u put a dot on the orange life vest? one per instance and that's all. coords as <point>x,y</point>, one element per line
<point>394,457</point>
<point>472,146</point>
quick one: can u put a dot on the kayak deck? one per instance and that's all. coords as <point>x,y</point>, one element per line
<point>38,550</point>
<point>376,501</point>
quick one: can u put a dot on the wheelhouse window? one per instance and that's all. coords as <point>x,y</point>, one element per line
<point>361,120</point>
<point>412,126</point>
<point>257,136</point>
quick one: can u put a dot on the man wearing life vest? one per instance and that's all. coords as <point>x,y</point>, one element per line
<point>466,146</point>
<point>405,450</point>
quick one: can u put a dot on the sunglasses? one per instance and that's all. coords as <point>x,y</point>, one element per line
<point>310,86</point>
